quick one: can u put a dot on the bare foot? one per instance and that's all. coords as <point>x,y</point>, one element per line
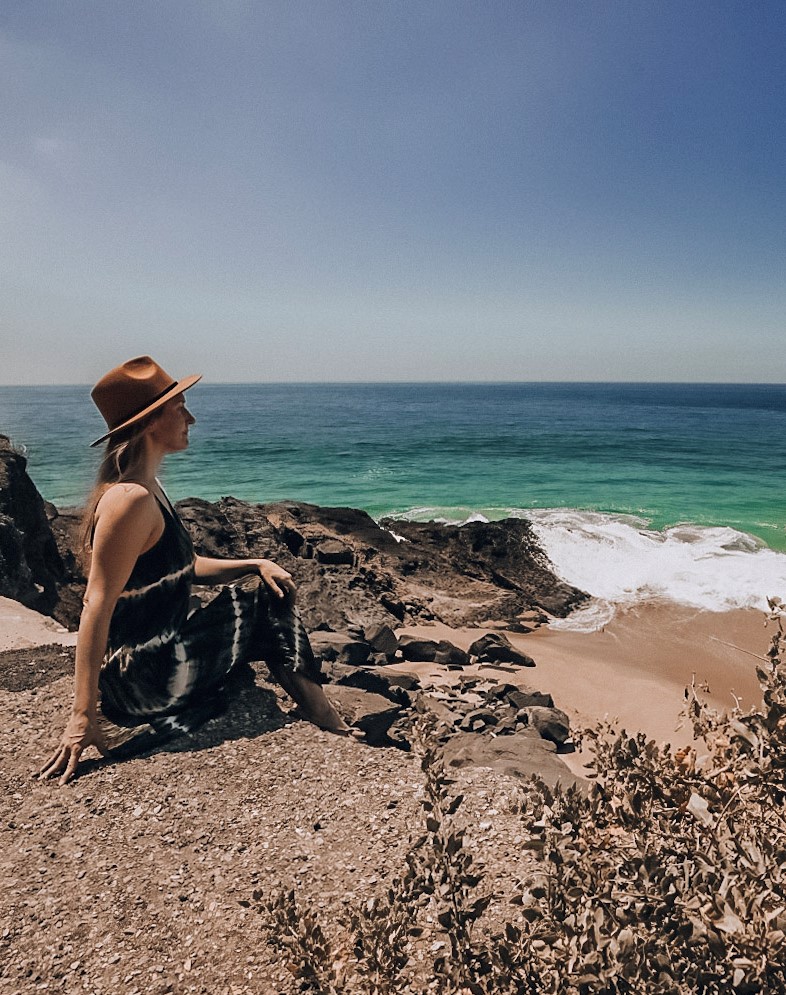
<point>316,708</point>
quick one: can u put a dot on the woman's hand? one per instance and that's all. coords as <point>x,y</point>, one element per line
<point>82,731</point>
<point>277,578</point>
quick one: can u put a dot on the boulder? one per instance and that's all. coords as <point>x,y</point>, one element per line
<point>367,679</point>
<point>406,681</point>
<point>550,723</point>
<point>449,654</point>
<point>416,649</point>
<point>30,565</point>
<point>381,638</point>
<point>339,646</point>
<point>334,553</point>
<point>495,647</point>
<point>520,754</point>
<point>518,697</point>
<point>478,718</point>
<point>371,713</point>
<point>526,697</point>
<point>497,566</point>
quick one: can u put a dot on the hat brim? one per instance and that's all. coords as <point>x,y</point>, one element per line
<point>174,390</point>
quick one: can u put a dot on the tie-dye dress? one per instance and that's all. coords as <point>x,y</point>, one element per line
<point>165,663</point>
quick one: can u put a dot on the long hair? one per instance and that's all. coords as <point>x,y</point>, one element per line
<point>122,460</point>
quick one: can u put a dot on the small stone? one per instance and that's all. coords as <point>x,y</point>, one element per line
<point>334,553</point>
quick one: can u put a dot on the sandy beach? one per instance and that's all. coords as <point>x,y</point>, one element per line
<point>636,669</point>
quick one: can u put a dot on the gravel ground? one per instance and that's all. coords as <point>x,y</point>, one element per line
<point>139,876</point>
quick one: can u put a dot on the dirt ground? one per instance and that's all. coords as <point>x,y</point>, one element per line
<point>139,876</point>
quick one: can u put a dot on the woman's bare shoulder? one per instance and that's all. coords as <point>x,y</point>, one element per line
<point>126,499</point>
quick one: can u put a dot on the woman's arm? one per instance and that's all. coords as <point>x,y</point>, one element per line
<point>126,518</point>
<point>211,571</point>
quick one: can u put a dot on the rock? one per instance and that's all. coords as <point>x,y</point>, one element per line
<point>414,648</point>
<point>502,567</point>
<point>30,565</point>
<point>520,754</point>
<point>449,716</point>
<point>525,697</point>
<point>406,681</point>
<point>339,646</point>
<point>451,655</point>
<point>367,679</point>
<point>550,723</point>
<point>335,553</point>
<point>381,638</point>
<point>371,713</point>
<point>479,718</point>
<point>495,647</point>
<point>348,568</point>
<point>518,697</point>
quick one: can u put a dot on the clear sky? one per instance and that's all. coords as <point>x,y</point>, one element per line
<point>382,190</point>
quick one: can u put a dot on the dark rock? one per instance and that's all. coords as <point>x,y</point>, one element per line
<point>334,553</point>
<point>348,568</point>
<point>526,697</point>
<point>30,565</point>
<point>339,646</point>
<point>449,716</point>
<point>495,647</point>
<point>381,638</point>
<point>371,713</point>
<point>550,723</point>
<point>504,558</point>
<point>458,576</point>
<point>447,653</point>
<point>483,716</point>
<point>414,648</point>
<point>367,679</point>
<point>499,692</point>
<point>406,681</point>
<point>520,754</point>
<point>518,697</point>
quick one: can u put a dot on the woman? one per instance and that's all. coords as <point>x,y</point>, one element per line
<point>155,667</point>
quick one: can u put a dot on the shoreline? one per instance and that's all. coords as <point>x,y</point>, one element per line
<point>635,670</point>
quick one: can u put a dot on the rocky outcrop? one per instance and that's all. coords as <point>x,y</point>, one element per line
<point>30,565</point>
<point>352,571</point>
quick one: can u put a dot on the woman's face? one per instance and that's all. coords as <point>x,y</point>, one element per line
<point>170,429</point>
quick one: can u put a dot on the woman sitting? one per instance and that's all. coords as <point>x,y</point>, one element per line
<point>156,666</point>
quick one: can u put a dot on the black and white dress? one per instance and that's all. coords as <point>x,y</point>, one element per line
<point>165,664</point>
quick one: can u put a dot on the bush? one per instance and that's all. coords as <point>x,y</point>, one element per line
<point>667,876</point>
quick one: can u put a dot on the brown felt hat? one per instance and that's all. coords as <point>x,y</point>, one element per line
<point>134,389</point>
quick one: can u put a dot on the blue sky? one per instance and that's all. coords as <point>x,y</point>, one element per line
<point>393,190</point>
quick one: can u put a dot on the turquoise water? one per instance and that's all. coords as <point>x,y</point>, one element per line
<point>637,492</point>
<point>667,453</point>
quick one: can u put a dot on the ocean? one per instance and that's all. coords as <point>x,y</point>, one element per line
<point>637,491</point>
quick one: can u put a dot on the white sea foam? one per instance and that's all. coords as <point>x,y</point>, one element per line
<point>620,561</point>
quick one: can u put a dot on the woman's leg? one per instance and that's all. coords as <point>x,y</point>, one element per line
<point>291,661</point>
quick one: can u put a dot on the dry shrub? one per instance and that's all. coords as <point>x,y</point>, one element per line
<point>667,876</point>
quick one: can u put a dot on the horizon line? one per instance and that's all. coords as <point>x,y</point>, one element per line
<point>432,383</point>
